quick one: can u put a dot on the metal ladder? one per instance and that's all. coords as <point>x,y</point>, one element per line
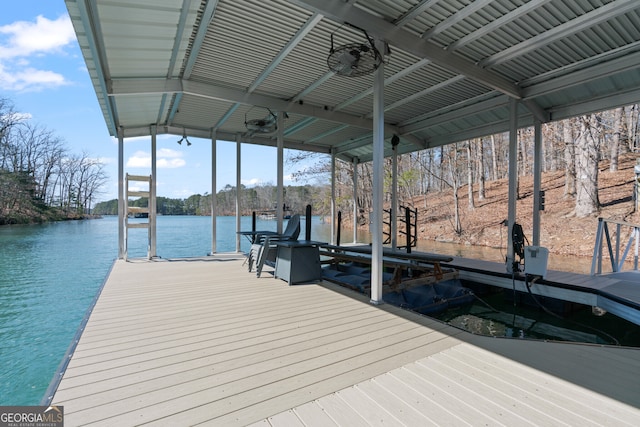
<point>133,210</point>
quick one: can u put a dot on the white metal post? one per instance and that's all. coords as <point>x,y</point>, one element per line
<point>214,201</point>
<point>238,191</point>
<point>378,184</point>
<point>355,200</point>
<point>393,217</point>
<point>332,222</point>
<point>537,180</point>
<point>121,201</point>
<point>513,179</point>
<point>152,196</point>
<point>280,167</point>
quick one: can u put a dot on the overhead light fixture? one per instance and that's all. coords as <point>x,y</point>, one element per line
<point>184,138</point>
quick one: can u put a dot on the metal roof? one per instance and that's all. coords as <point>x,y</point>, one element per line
<point>196,66</point>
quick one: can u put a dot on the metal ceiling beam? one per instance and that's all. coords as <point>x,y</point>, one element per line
<point>493,25</point>
<point>592,105</point>
<point>593,72</point>
<point>422,93</point>
<point>412,13</point>
<point>409,42</point>
<point>463,13</point>
<point>148,86</point>
<point>362,95</point>
<point>184,12</point>
<point>269,141</point>
<point>88,16</point>
<point>403,73</point>
<point>291,44</point>
<point>203,26</point>
<point>569,28</point>
<point>449,114</point>
<point>193,52</point>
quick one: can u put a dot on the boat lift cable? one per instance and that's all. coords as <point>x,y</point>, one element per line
<point>519,240</point>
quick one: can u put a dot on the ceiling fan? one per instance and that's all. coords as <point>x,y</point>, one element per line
<point>267,124</point>
<point>354,59</point>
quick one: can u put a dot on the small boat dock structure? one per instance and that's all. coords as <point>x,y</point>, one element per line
<point>617,293</point>
<point>199,341</point>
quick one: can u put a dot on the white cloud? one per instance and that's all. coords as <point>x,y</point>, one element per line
<point>23,40</point>
<point>29,79</point>
<point>42,36</point>
<point>165,159</point>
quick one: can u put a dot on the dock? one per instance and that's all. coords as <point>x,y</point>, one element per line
<point>201,341</point>
<point>617,293</point>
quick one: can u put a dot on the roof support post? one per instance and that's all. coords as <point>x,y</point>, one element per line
<point>378,182</point>
<point>537,180</point>
<point>355,200</point>
<point>393,217</point>
<point>152,195</point>
<point>238,191</point>
<point>513,180</point>
<point>332,223</point>
<point>214,201</point>
<point>121,201</point>
<point>280,167</point>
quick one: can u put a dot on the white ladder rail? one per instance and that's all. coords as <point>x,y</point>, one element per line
<point>136,210</point>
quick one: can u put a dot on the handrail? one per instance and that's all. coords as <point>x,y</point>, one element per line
<point>617,260</point>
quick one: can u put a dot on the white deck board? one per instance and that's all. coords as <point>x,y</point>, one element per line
<point>201,341</point>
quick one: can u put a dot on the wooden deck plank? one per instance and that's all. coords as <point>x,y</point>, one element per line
<point>224,357</point>
<point>478,385</point>
<point>488,385</point>
<point>441,403</point>
<point>368,409</point>
<point>175,332</point>
<point>288,419</point>
<point>312,415</point>
<point>341,412</point>
<point>196,401</point>
<point>379,396</point>
<point>436,414</point>
<point>204,342</point>
<point>539,390</point>
<point>234,367</point>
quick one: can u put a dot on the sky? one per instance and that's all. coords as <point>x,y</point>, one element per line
<point>43,73</point>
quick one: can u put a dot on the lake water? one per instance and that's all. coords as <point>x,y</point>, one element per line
<point>50,274</point>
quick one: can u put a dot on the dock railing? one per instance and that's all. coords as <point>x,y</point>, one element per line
<point>614,239</point>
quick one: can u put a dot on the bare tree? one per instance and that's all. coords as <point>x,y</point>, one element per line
<point>480,168</point>
<point>494,158</point>
<point>470,175</point>
<point>614,149</point>
<point>570,159</point>
<point>587,149</point>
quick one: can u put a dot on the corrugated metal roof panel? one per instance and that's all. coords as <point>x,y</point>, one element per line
<point>459,59</point>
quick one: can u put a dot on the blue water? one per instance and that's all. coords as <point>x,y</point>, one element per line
<point>50,274</point>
